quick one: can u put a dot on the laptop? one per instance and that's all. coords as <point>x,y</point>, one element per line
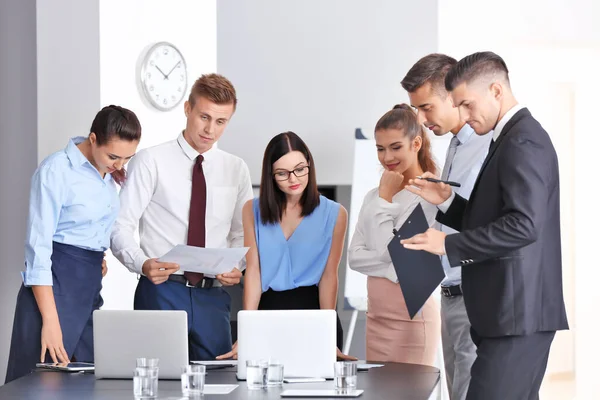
<point>304,341</point>
<point>124,335</point>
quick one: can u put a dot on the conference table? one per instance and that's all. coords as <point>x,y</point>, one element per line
<point>392,381</point>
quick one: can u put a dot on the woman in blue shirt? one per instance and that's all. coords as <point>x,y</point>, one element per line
<point>295,236</point>
<point>73,204</point>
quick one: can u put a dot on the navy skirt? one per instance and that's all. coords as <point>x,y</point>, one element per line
<point>77,281</point>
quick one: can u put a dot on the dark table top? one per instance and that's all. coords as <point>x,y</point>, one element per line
<point>392,381</point>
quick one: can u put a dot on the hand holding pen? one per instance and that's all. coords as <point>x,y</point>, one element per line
<point>435,180</point>
<point>430,188</point>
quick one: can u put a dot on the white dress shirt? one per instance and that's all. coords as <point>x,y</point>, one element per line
<point>368,253</point>
<point>497,131</point>
<point>469,157</point>
<point>156,197</point>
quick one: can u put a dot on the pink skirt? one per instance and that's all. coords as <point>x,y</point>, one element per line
<point>391,335</point>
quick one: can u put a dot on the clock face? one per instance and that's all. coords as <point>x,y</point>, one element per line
<point>164,76</point>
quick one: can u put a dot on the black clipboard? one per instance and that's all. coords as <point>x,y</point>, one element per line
<point>419,272</point>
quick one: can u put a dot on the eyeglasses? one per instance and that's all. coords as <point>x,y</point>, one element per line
<point>285,175</point>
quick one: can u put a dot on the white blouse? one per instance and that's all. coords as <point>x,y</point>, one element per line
<point>368,253</point>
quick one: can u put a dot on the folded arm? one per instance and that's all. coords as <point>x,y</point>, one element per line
<point>368,253</point>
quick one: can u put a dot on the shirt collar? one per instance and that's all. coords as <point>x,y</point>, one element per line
<point>502,123</point>
<point>77,158</point>
<point>465,133</point>
<point>190,152</point>
<point>75,155</point>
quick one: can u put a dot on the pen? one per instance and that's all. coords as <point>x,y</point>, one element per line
<point>455,184</point>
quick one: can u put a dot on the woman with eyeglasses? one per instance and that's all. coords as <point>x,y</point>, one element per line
<point>295,236</point>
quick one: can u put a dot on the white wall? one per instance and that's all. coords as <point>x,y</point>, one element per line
<point>18,125</point>
<point>127,28</point>
<point>552,49</point>
<point>318,68</point>
<point>68,71</point>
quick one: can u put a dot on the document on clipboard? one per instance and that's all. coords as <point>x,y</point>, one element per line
<point>419,272</point>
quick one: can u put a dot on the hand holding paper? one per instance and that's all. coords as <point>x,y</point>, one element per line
<point>158,272</point>
<point>230,278</point>
<point>211,262</point>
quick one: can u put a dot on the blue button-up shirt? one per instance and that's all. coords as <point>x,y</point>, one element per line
<point>469,157</point>
<point>69,203</point>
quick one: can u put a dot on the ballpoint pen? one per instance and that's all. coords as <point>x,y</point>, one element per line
<point>455,184</point>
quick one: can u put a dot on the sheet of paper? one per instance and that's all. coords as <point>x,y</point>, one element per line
<point>207,261</point>
<point>219,389</point>
<point>216,362</point>
<point>368,366</point>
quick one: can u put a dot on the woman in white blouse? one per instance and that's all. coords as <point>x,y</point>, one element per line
<point>404,151</point>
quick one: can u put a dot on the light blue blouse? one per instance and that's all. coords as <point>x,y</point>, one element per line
<point>300,260</point>
<point>69,203</point>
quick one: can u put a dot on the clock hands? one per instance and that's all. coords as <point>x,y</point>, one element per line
<point>163,74</point>
<point>172,69</point>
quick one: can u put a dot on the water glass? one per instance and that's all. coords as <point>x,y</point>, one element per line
<point>275,373</point>
<point>146,362</point>
<point>192,380</point>
<point>145,383</point>
<point>345,375</point>
<point>256,374</point>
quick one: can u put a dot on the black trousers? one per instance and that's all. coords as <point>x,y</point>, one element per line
<point>509,367</point>
<point>302,298</point>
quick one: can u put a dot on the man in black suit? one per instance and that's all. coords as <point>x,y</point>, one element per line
<point>509,242</point>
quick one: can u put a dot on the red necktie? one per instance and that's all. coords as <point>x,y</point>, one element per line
<point>197,221</point>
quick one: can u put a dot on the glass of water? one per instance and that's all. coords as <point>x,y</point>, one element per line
<point>256,374</point>
<point>146,362</point>
<point>345,375</point>
<point>275,373</point>
<point>145,383</point>
<point>192,380</point>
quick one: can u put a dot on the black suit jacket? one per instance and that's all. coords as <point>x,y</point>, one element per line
<point>509,242</point>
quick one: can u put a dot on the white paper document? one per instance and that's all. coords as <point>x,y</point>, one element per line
<point>207,261</point>
<point>219,389</point>
<point>364,367</point>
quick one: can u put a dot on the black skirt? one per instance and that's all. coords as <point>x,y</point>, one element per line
<point>302,298</point>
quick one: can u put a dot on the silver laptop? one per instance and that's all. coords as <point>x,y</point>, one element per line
<point>304,341</point>
<point>122,336</point>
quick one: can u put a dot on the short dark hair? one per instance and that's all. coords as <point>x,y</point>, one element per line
<point>214,87</point>
<point>116,122</point>
<point>432,68</point>
<point>272,200</point>
<point>474,66</point>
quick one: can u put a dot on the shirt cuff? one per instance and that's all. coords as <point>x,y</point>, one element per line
<point>37,278</point>
<point>139,264</point>
<point>446,204</point>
